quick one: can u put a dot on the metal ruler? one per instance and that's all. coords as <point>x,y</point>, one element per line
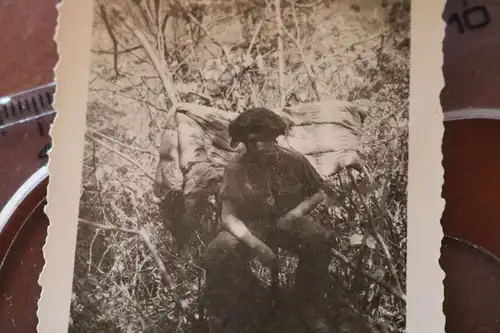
<point>29,106</point>
<point>25,120</point>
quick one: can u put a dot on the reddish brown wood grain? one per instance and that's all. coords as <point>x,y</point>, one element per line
<point>472,288</point>
<point>29,52</point>
<point>21,258</point>
<point>27,59</point>
<point>19,148</point>
<point>471,158</point>
<point>471,161</point>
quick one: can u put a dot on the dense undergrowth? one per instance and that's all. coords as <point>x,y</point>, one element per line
<point>226,54</point>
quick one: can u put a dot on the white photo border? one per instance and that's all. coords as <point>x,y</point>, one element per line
<point>425,205</point>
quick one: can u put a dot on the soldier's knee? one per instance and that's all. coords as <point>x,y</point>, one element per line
<point>321,241</point>
<point>311,230</point>
<point>318,241</point>
<point>219,248</point>
<point>211,257</point>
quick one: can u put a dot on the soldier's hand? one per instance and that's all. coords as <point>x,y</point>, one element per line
<point>157,200</point>
<point>266,255</point>
<point>285,222</point>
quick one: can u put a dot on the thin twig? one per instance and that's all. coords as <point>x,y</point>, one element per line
<point>144,101</point>
<point>147,20</point>
<point>127,50</point>
<point>376,233</point>
<point>367,39</point>
<point>107,24</point>
<point>145,237</point>
<point>300,48</point>
<point>148,7</point>
<point>224,49</point>
<point>254,37</point>
<point>281,56</point>
<point>158,62</point>
<point>105,145</point>
<point>387,286</point>
<point>119,143</point>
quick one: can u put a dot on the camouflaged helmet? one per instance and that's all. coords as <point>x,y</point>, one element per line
<point>258,124</point>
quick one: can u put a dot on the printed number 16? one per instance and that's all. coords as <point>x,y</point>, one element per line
<point>464,23</point>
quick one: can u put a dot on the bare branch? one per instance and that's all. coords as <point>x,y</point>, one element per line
<point>300,48</point>
<point>387,286</point>
<point>146,16</point>
<point>158,62</point>
<point>127,50</point>
<point>309,5</point>
<point>254,37</point>
<point>105,19</point>
<point>149,7</point>
<point>183,306</point>
<point>131,97</point>
<point>281,56</point>
<point>376,233</point>
<point>119,143</point>
<point>159,16</point>
<point>122,155</point>
<point>224,49</point>
<point>164,23</point>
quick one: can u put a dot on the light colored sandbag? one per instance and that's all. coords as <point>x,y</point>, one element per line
<point>196,146</point>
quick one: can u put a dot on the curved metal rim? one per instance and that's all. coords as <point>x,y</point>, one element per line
<point>474,246</point>
<point>472,114</point>
<point>13,204</point>
<point>2,260</point>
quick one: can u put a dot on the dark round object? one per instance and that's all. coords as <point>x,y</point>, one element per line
<point>260,122</point>
<point>23,227</point>
<point>471,287</point>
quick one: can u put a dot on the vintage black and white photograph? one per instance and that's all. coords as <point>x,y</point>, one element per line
<point>245,168</point>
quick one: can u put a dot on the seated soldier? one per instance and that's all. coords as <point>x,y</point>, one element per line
<point>266,195</point>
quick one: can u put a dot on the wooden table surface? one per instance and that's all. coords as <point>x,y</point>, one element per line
<point>27,59</point>
<point>469,158</point>
<point>471,148</point>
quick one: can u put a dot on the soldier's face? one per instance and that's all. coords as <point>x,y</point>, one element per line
<point>260,147</point>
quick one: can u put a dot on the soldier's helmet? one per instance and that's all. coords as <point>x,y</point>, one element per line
<point>257,124</point>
